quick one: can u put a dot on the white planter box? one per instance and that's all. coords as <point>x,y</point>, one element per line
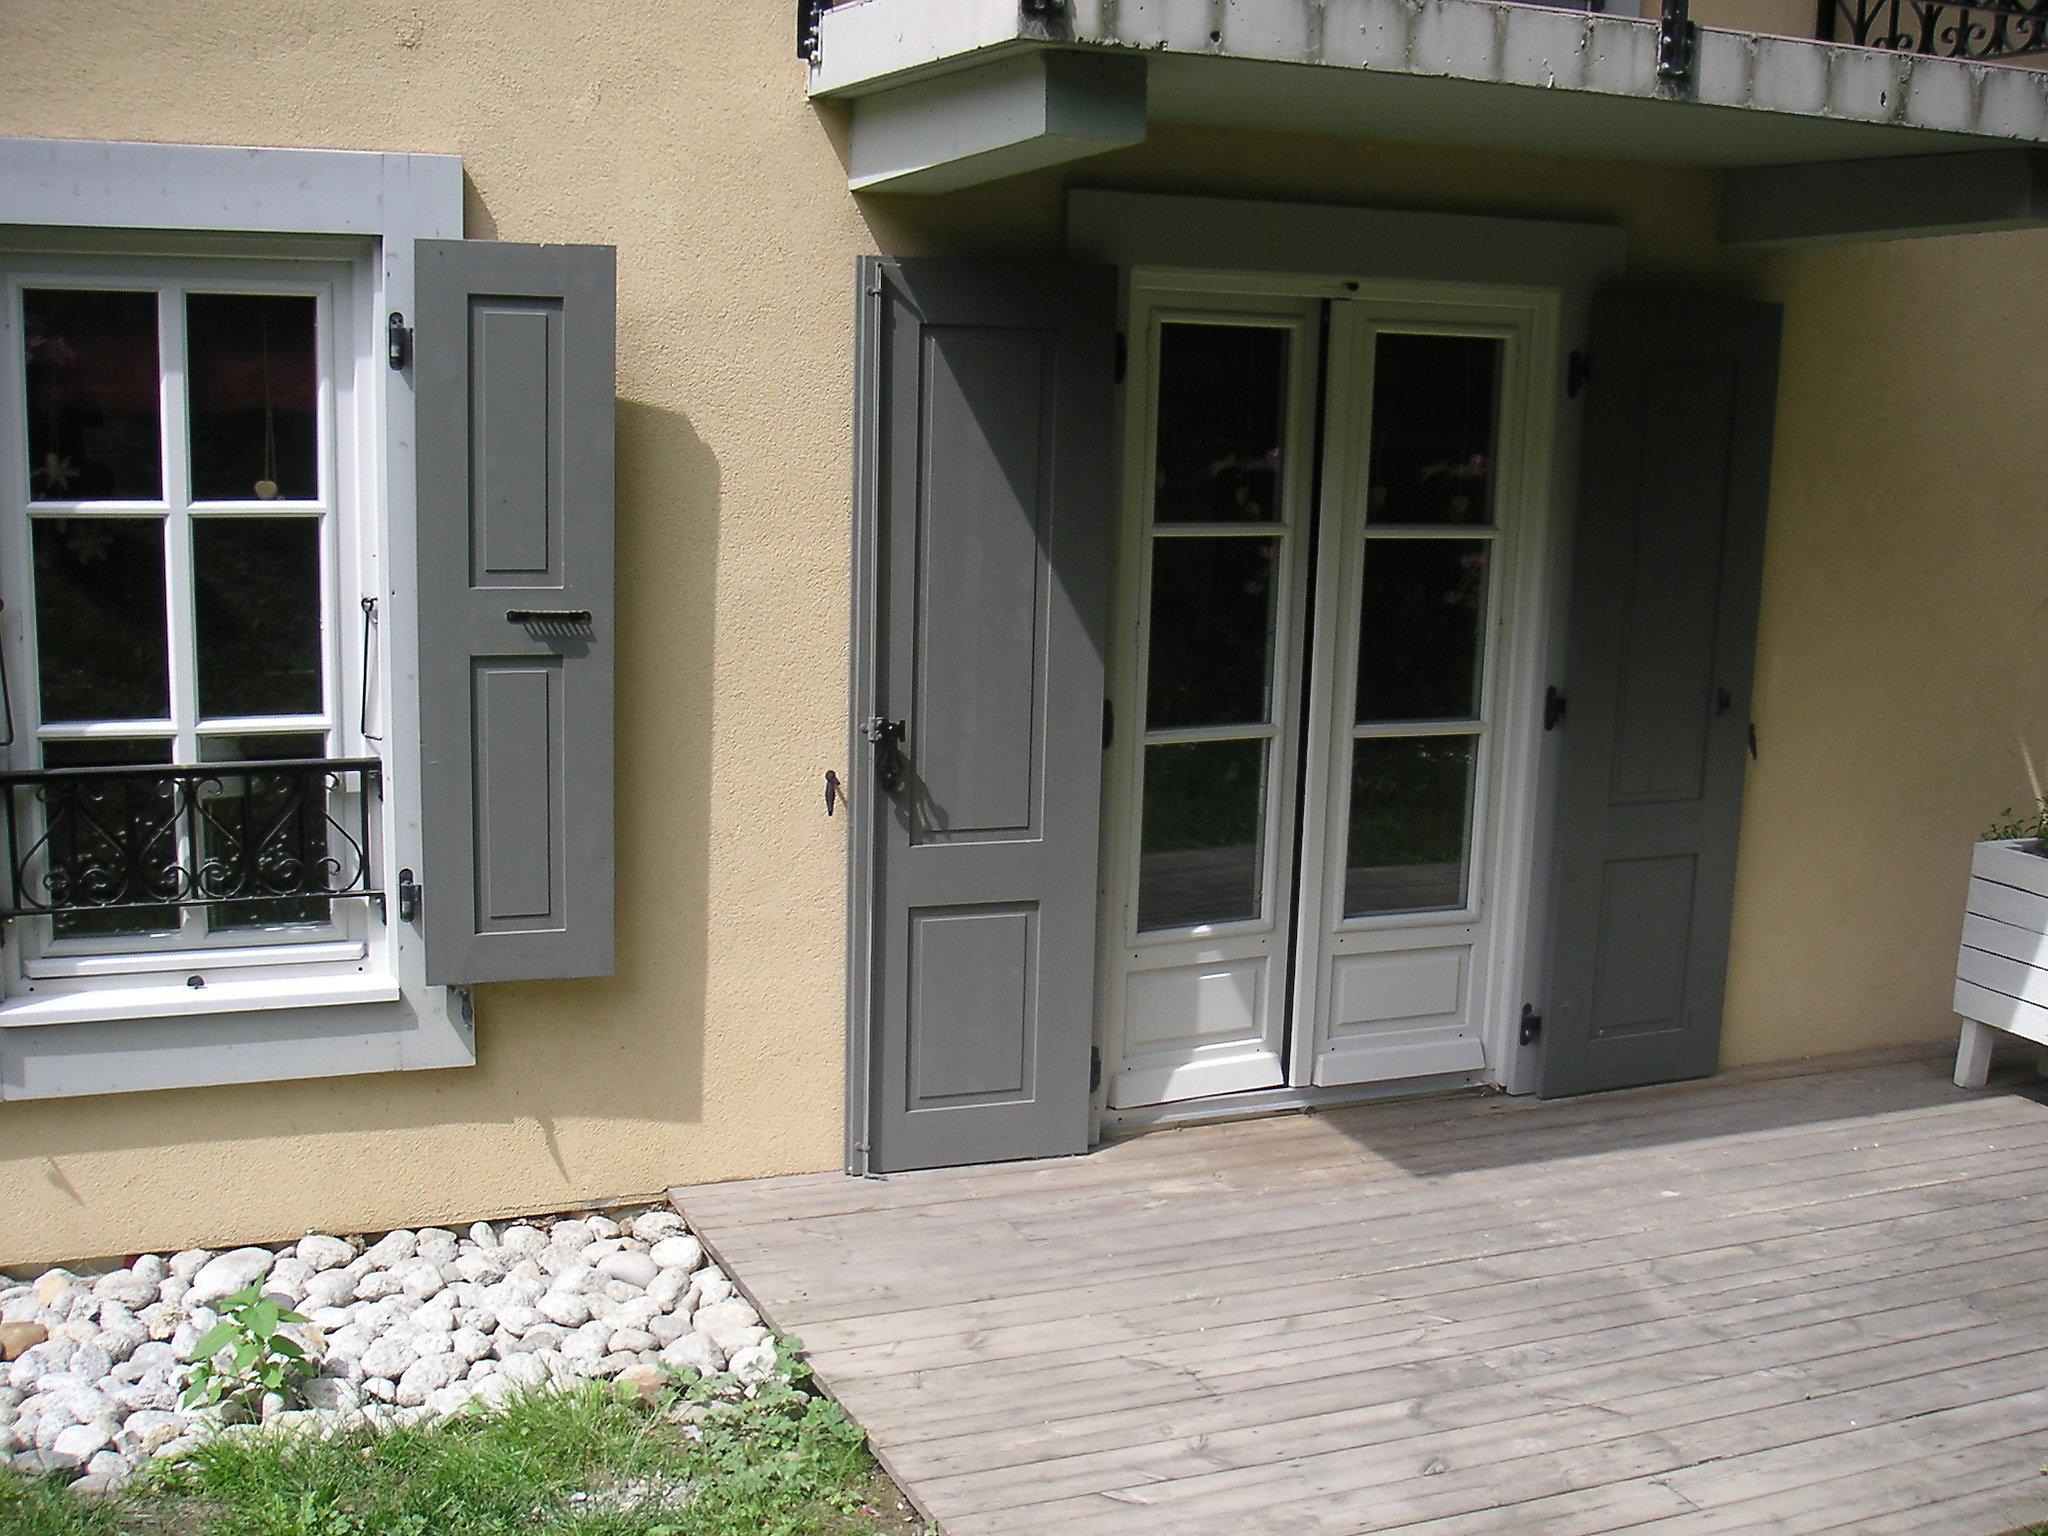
<point>2002,968</point>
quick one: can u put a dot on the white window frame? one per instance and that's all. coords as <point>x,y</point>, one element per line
<point>252,1023</point>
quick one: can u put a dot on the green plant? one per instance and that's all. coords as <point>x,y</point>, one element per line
<point>260,1358</point>
<point>2014,828</point>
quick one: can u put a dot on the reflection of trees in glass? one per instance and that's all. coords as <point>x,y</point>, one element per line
<point>1211,632</point>
<point>89,361</point>
<point>1409,801</point>
<point>257,605</point>
<point>1222,393</point>
<point>1203,795</point>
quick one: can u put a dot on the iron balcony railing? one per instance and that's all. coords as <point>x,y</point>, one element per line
<point>1951,29</point>
<point>155,838</point>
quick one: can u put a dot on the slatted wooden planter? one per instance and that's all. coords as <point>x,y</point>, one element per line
<point>2002,969</point>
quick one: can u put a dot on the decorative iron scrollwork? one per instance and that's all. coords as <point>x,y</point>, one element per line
<point>1978,29</point>
<point>218,835</point>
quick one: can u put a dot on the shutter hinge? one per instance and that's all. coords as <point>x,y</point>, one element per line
<point>1677,34</point>
<point>1532,1024</point>
<point>1123,356</point>
<point>1094,1068</point>
<point>409,892</point>
<point>810,31</point>
<point>1554,706</point>
<point>1578,369</point>
<point>397,341</point>
<point>1108,724</point>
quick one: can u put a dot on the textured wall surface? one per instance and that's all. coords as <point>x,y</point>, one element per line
<point>1901,653</point>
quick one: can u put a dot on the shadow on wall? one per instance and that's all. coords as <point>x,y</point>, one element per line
<point>626,1050</point>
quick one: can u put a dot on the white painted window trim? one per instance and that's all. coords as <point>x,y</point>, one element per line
<point>1219,245</point>
<point>111,197</point>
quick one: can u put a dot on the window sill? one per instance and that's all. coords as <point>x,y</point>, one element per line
<point>109,1004</point>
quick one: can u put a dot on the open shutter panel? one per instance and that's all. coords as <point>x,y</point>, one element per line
<point>513,364</point>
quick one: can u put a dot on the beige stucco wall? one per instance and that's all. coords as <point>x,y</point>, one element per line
<point>680,134</point>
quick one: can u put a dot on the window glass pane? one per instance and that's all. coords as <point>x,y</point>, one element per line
<point>1411,810</point>
<point>1211,646</point>
<point>109,842</point>
<point>262,833</point>
<point>1222,403</point>
<point>91,377</point>
<point>1201,843</point>
<point>1421,614</point>
<point>101,651</point>
<point>254,390</point>
<point>1434,403</point>
<point>257,602</point>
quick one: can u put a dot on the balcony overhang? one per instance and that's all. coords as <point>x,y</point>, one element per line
<point>947,93</point>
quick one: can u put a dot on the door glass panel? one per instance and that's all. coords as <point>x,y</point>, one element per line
<point>1435,400</point>
<point>1222,406</point>
<point>101,647</point>
<point>1411,814</point>
<point>1211,646</point>
<point>1422,611</point>
<point>91,379</point>
<point>264,832</point>
<point>256,601</point>
<point>113,841</point>
<point>1202,833</point>
<point>254,393</point>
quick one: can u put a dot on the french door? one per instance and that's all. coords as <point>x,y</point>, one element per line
<point>1306,812</point>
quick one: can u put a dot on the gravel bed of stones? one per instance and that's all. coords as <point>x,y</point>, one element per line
<point>401,1327</point>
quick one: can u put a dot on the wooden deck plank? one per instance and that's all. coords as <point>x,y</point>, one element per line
<point>1786,1301</point>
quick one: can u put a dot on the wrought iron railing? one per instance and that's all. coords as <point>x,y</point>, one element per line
<point>150,838</point>
<point>1980,29</point>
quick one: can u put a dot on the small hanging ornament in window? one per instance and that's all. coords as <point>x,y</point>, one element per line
<point>266,488</point>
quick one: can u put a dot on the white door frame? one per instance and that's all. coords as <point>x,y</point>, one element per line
<point>1220,246</point>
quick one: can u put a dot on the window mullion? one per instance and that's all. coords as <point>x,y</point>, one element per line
<point>178,576</point>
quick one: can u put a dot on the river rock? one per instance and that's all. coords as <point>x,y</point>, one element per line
<point>694,1352</point>
<point>228,1273</point>
<point>321,1253</point>
<point>635,1269</point>
<point>18,1338</point>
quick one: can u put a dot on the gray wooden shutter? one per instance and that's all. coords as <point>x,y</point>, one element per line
<point>1666,582</point>
<point>986,507</point>
<point>513,361</point>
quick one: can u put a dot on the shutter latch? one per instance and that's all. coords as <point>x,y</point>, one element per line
<point>408,897</point>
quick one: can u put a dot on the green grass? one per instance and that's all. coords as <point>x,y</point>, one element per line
<point>596,1462</point>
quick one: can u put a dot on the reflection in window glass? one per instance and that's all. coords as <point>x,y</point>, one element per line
<point>1435,400</point>
<point>264,832</point>
<point>257,606</point>
<point>254,396</point>
<point>91,376</point>
<point>1201,834</point>
<point>1211,636</point>
<point>1421,614</point>
<point>1411,812</point>
<point>113,841</point>
<point>102,651</point>
<point>1222,402</point>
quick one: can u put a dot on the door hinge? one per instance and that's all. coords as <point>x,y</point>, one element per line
<point>1108,724</point>
<point>409,892</point>
<point>1123,356</point>
<point>1094,1068</point>
<point>1578,369</point>
<point>397,341</point>
<point>1532,1024</point>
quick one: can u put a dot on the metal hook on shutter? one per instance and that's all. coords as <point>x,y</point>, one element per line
<point>6,693</point>
<point>363,713</point>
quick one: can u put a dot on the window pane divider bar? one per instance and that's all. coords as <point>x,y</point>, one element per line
<point>1183,735</point>
<point>1219,530</point>
<point>1486,531</point>
<point>98,508</point>
<point>261,725</point>
<point>1398,729</point>
<point>96,730</point>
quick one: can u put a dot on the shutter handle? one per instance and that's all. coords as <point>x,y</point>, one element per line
<point>547,616</point>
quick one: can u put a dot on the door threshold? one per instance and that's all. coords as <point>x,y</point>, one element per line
<point>1254,1103</point>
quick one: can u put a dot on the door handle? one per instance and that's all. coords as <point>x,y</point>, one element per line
<point>887,735</point>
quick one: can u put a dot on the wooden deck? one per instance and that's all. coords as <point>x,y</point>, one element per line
<point>1811,1300</point>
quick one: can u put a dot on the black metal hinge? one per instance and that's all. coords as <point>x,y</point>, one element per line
<point>1123,356</point>
<point>409,891</point>
<point>397,341</point>
<point>1578,369</point>
<point>1532,1024</point>
<point>1554,706</point>
<point>1108,724</point>
<point>1094,1068</point>
<point>809,18</point>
